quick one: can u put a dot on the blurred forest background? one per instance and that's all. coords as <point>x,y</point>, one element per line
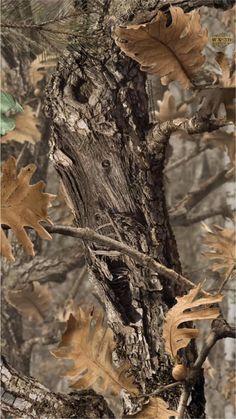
<point>34,316</point>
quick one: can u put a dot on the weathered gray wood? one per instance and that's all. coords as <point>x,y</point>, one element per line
<point>24,397</point>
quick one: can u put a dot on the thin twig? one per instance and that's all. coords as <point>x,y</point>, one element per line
<point>183,401</point>
<point>220,329</point>
<point>161,389</point>
<point>38,27</point>
<point>145,260</point>
<point>185,159</point>
<point>226,279</point>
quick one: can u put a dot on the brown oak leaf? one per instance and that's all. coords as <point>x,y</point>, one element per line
<point>22,205</point>
<point>89,343</point>
<point>173,52</point>
<point>188,308</point>
<point>222,244</point>
<point>32,301</point>
<point>168,109</point>
<point>157,408</point>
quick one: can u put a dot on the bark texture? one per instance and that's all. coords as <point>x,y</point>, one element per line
<point>24,397</point>
<point>103,149</point>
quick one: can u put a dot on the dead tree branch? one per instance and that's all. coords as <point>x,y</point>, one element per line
<point>145,260</point>
<point>43,270</point>
<point>179,213</point>
<point>225,211</point>
<point>220,330</point>
<point>25,397</point>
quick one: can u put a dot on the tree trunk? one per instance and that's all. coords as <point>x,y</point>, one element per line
<point>24,397</point>
<point>114,180</point>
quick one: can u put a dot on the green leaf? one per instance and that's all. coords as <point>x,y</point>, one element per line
<point>8,104</point>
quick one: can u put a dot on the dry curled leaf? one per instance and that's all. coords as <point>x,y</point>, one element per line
<point>22,205</point>
<point>171,51</point>
<point>222,245</point>
<point>188,308</point>
<point>89,343</point>
<point>25,129</point>
<point>224,140</point>
<point>32,301</point>
<point>157,408</point>
<point>168,109</point>
<point>39,68</point>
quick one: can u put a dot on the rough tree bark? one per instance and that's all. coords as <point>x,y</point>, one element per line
<point>113,173</point>
<point>103,151</point>
<point>24,397</point>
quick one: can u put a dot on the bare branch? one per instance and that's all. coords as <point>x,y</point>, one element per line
<point>160,133</point>
<point>145,260</point>
<point>43,269</point>
<point>224,282</point>
<point>185,159</point>
<point>25,397</point>
<point>179,212</point>
<point>225,211</point>
<point>220,330</point>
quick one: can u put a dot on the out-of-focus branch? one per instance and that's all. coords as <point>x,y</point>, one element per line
<point>225,211</point>
<point>44,269</point>
<point>185,159</point>
<point>179,213</point>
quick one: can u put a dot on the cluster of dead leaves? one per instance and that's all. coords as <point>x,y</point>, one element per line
<point>174,51</point>
<point>222,248</point>
<point>22,205</point>
<point>188,308</point>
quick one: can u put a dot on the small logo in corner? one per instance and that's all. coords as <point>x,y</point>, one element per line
<point>221,40</point>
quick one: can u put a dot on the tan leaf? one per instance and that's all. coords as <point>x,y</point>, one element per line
<point>222,246</point>
<point>62,210</point>
<point>26,127</point>
<point>210,371</point>
<point>168,109</point>
<point>32,301</point>
<point>90,344</point>
<point>156,409</point>
<point>229,390</point>
<point>22,205</point>
<point>188,308</point>
<point>228,77</point>
<point>229,18</point>
<point>228,84</point>
<point>39,67</point>
<point>223,140</point>
<point>173,52</point>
